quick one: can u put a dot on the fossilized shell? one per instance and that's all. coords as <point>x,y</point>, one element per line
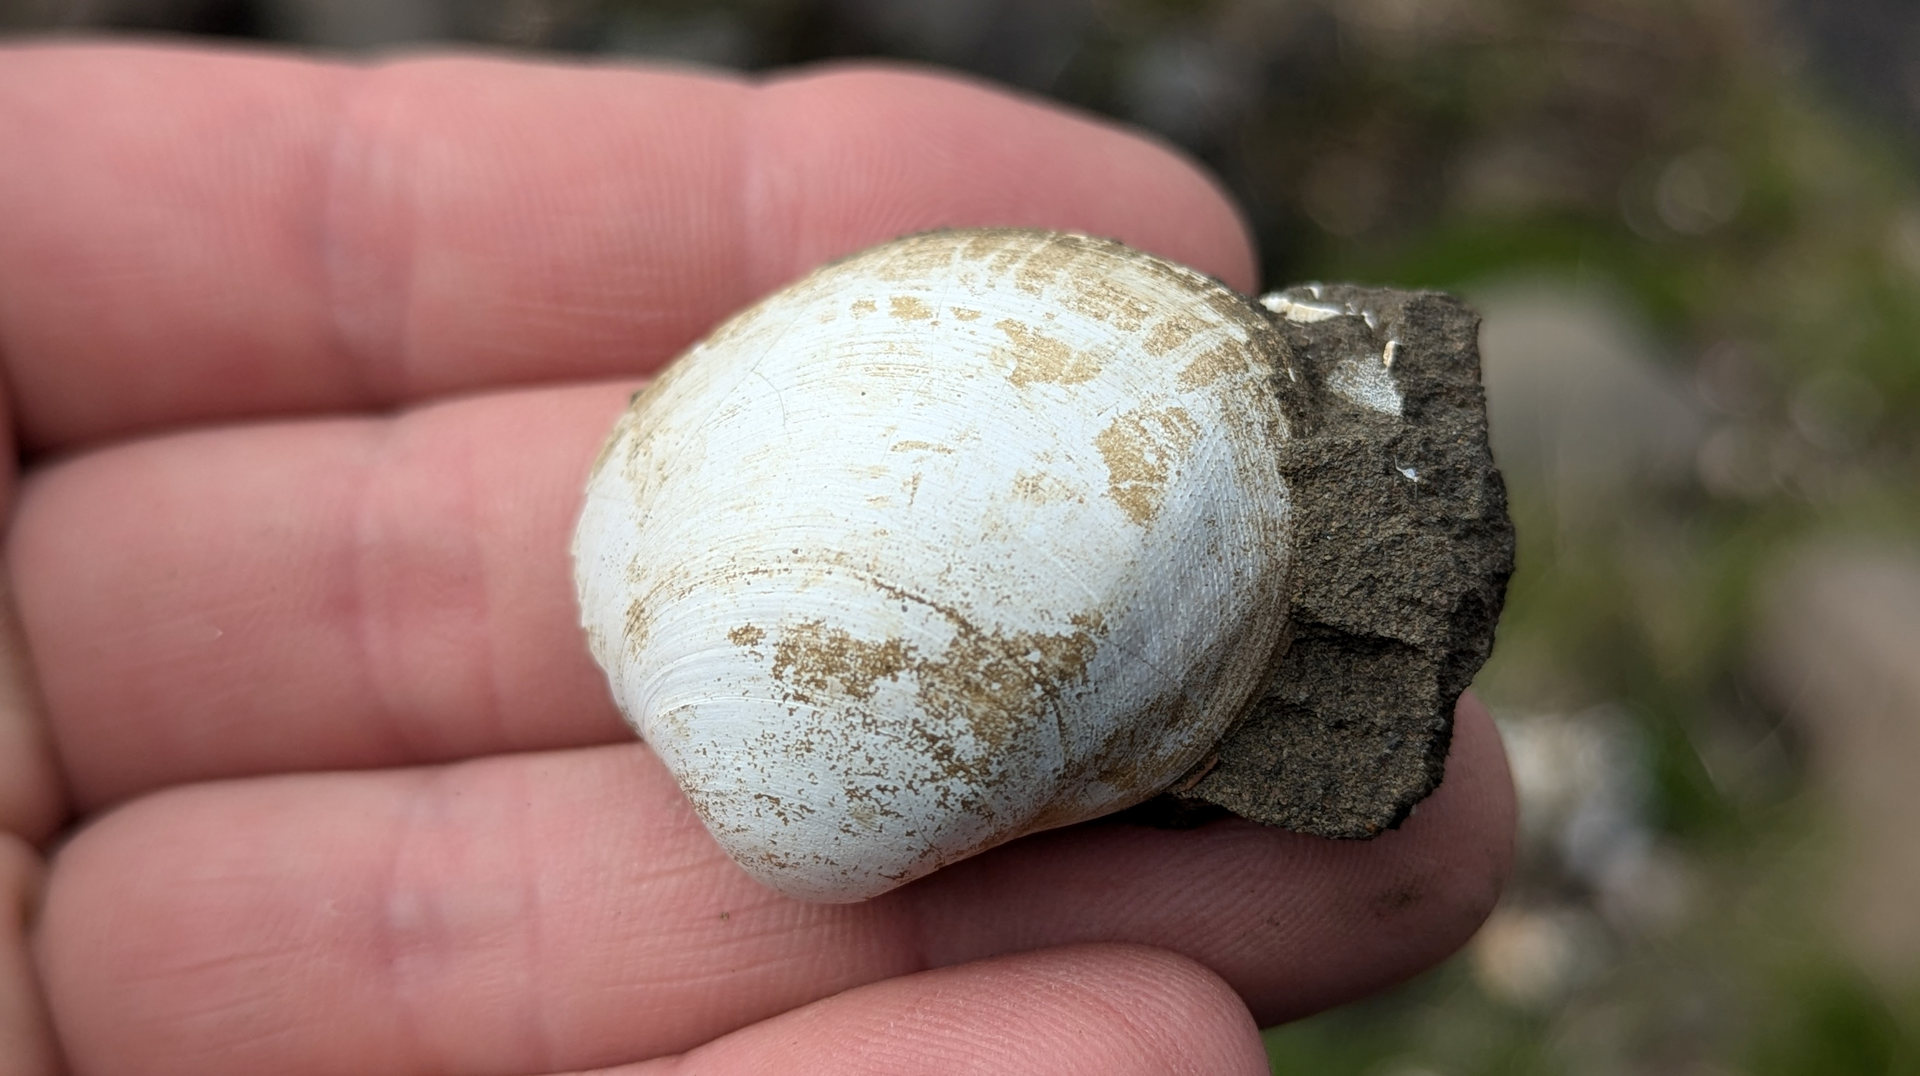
<point>969,535</point>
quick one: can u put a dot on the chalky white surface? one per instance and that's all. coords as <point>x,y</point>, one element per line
<point>969,535</point>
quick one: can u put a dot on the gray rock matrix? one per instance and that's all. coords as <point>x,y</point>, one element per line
<point>1402,548</point>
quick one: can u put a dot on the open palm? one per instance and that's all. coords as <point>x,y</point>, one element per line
<point>308,770</point>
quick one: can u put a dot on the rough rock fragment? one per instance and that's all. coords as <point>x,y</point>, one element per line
<point>1403,549</point>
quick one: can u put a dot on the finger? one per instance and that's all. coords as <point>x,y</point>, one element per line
<point>32,801</point>
<point>1107,1010</point>
<point>195,235</point>
<point>26,1040</point>
<point>315,595</point>
<point>541,912</point>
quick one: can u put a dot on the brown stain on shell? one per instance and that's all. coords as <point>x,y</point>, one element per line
<point>915,258</point>
<point>634,627</point>
<point>1141,449</point>
<point>816,662</point>
<point>1169,333</point>
<point>1100,298</point>
<point>1039,358</point>
<point>1001,685</point>
<point>1043,264</point>
<point>909,308</point>
<point>997,685</point>
<point>1222,360</point>
<point>1039,487</point>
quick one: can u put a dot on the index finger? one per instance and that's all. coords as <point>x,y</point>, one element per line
<point>201,236</point>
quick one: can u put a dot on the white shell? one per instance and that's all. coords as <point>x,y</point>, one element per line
<point>966,536</point>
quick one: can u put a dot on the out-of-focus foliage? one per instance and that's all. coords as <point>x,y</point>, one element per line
<point>1698,251</point>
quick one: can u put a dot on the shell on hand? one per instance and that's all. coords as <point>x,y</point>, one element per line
<point>966,536</point>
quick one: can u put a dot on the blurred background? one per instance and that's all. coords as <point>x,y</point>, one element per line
<point>1693,229</point>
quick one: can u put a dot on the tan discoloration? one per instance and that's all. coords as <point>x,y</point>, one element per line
<point>633,628</point>
<point>1103,300</point>
<point>909,308</point>
<point>1235,309</point>
<point>636,422</point>
<point>901,350</point>
<point>1213,364</point>
<point>672,724</point>
<point>920,446</point>
<point>648,418</point>
<point>916,259</point>
<point>1038,357</point>
<point>863,307</point>
<point>1141,449</point>
<point>787,811</point>
<point>1039,487</point>
<point>1169,333</point>
<point>985,243</point>
<point>862,817</point>
<point>1041,268</point>
<point>1068,270</point>
<point>637,450</point>
<point>746,635</point>
<point>997,686</point>
<point>965,313</point>
<point>819,664</point>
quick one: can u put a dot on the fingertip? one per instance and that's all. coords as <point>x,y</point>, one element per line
<point>1495,806</point>
<point>1135,1008</point>
<point>923,148</point>
<point>1107,1009</point>
<point>1415,896</point>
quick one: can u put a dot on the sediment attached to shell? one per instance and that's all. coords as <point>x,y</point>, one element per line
<point>1402,549</point>
<point>982,532</point>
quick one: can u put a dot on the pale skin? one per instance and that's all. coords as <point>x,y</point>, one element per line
<point>303,765</point>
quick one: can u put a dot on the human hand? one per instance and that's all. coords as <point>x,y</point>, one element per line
<point>307,363</point>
